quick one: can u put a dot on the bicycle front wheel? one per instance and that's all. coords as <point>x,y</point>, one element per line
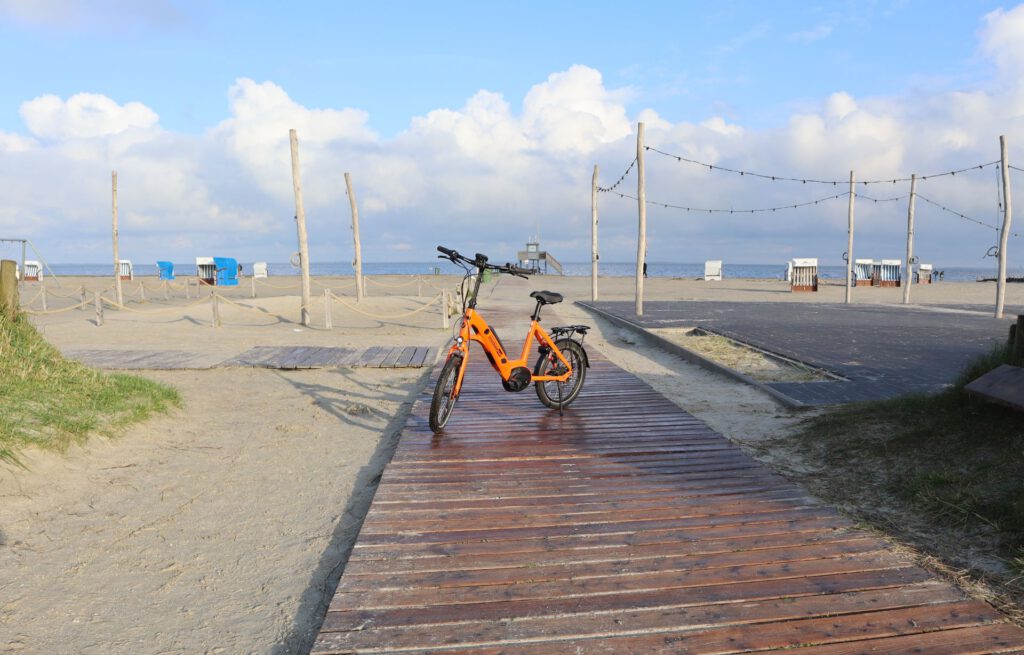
<point>443,403</point>
<point>558,395</point>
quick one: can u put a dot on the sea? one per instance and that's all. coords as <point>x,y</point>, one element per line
<point>686,270</point>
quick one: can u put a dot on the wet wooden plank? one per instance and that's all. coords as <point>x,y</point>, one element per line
<point>623,525</point>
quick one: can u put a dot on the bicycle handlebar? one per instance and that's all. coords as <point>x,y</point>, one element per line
<point>481,262</point>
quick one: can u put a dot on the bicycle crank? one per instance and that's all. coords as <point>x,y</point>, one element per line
<point>518,380</point>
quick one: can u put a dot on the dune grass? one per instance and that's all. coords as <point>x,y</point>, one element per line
<point>944,470</point>
<point>52,402</point>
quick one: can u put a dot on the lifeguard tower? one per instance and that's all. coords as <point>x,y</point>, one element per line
<point>537,260</point>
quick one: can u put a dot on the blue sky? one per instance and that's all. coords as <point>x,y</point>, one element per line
<point>477,118</point>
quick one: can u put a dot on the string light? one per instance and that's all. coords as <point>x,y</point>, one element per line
<point>963,216</point>
<point>805,180</point>
<point>621,178</point>
<point>655,203</point>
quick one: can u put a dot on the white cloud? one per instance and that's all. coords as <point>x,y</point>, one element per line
<point>816,33</point>
<point>484,176</point>
<point>83,116</point>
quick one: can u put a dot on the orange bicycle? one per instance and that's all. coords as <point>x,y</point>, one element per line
<point>558,373</point>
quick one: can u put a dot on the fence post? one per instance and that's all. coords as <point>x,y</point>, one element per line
<point>188,289</point>
<point>365,278</point>
<point>9,287</point>
<point>300,223</point>
<point>42,292</point>
<point>419,287</point>
<point>167,293</point>
<point>216,308</point>
<point>142,292</point>
<point>81,294</point>
<point>99,308</point>
<point>327,310</point>
<point>117,261</point>
<point>252,281</point>
<point>444,309</point>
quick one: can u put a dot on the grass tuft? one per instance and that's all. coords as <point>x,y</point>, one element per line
<point>51,402</point>
<point>944,470</point>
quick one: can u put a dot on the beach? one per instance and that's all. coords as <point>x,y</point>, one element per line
<point>224,526</point>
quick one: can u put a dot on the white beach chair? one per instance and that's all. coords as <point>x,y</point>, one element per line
<point>713,270</point>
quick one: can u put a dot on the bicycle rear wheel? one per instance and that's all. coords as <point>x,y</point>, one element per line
<point>443,402</point>
<point>558,395</point>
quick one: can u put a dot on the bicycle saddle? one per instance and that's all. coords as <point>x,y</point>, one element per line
<point>547,297</point>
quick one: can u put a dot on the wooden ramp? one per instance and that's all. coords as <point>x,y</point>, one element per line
<point>625,526</point>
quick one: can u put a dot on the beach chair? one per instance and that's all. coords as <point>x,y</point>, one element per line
<point>125,270</point>
<point>206,270</point>
<point>862,272</point>
<point>227,271</point>
<point>33,271</point>
<point>924,274</point>
<point>259,269</point>
<point>713,270</point>
<point>890,272</point>
<point>805,275</point>
<point>166,270</point>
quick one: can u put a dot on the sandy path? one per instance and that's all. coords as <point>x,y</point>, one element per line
<point>223,527</point>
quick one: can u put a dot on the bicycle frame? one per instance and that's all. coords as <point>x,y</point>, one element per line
<point>475,328</point>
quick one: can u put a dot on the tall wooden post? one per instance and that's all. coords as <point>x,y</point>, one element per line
<point>117,260</point>
<point>641,242</point>
<point>1004,235</point>
<point>593,236</point>
<point>908,279</point>
<point>300,222</point>
<point>9,287</point>
<point>357,262</point>
<point>849,238</point>
<point>215,307</point>
<point>328,324</point>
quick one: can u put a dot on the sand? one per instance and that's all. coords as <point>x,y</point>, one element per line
<point>224,526</point>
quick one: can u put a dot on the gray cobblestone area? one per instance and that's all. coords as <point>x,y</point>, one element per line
<point>883,351</point>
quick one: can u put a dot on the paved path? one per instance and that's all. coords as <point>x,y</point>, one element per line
<point>282,357</point>
<point>624,526</point>
<point>883,351</point>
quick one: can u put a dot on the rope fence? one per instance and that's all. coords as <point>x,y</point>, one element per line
<point>101,302</point>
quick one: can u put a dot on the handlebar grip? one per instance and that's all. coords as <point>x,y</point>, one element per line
<point>519,271</point>
<point>450,253</point>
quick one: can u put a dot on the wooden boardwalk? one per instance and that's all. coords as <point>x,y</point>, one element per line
<point>625,526</point>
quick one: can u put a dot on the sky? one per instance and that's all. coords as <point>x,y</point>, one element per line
<point>478,125</point>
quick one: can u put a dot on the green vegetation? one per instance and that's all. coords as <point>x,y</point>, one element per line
<point>945,471</point>
<point>52,402</point>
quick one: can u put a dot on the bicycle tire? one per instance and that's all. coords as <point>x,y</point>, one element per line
<point>443,402</point>
<point>548,392</point>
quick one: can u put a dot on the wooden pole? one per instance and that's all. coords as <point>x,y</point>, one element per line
<point>99,308</point>
<point>419,287</point>
<point>300,222</point>
<point>444,309</point>
<point>81,295</point>
<point>849,238</point>
<point>42,293</point>
<point>1004,235</point>
<point>365,287</point>
<point>357,262</point>
<point>215,306</point>
<point>142,292</point>
<point>188,289</point>
<point>117,260</point>
<point>641,242</point>
<point>252,284</point>
<point>909,277</point>
<point>593,236</point>
<point>167,290</point>
<point>327,310</point>
<point>9,287</point>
